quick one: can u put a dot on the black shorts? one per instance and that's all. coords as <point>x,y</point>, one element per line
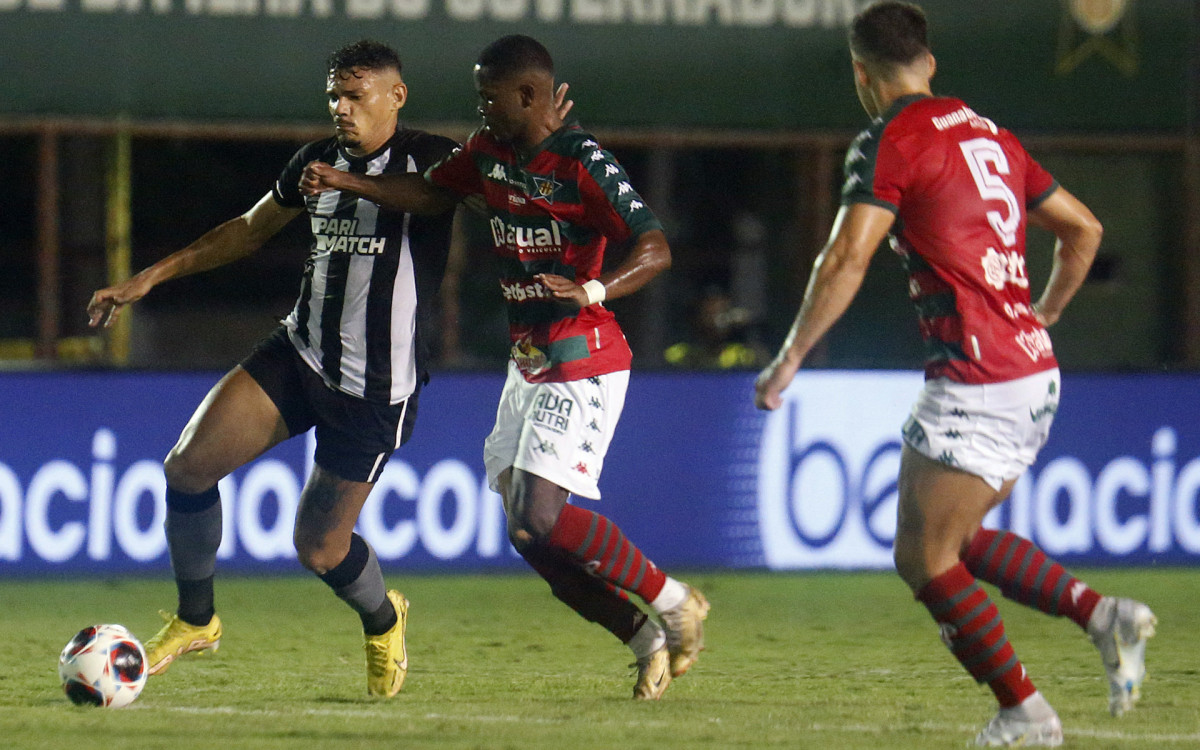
<point>355,437</point>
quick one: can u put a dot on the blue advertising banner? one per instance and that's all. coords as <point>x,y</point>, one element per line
<point>695,475</point>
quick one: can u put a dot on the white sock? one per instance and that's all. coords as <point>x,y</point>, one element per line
<point>672,595</point>
<point>1101,614</point>
<point>1034,708</point>
<point>648,639</point>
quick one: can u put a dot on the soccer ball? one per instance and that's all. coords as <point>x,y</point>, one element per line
<point>103,665</point>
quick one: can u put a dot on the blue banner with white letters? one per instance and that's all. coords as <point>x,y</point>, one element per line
<point>695,476</point>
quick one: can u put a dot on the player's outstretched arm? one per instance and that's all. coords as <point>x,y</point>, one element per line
<point>836,276</point>
<point>406,193</point>
<point>1078,234</point>
<point>225,243</point>
<point>651,255</point>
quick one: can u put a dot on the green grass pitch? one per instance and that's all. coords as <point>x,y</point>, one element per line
<point>820,660</point>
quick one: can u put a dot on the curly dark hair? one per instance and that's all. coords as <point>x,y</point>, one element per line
<point>367,54</point>
<point>515,53</point>
<point>889,33</point>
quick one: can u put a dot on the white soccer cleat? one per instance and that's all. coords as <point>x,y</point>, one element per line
<point>1119,628</point>
<point>1032,724</point>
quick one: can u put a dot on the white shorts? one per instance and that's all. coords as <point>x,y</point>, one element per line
<point>558,431</point>
<point>993,431</point>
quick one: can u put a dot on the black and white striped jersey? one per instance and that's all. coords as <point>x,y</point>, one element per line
<point>371,274</point>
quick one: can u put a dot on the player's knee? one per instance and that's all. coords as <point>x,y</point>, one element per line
<point>519,537</point>
<point>317,555</point>
<point>530,525</point>
<point>909,564</point>
<point>184,473</point>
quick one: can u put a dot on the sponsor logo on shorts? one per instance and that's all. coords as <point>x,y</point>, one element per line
<point>552,411</point>
<point>595,403</point>
<point>1048,410</point>
<point>582,468</point>
<point>547,447</point>
<point>586,447</point>
<point>593,426</point>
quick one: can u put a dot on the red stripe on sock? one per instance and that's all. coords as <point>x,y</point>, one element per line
<point>972,628</point>
<point>1075,600</point>
<point>606,553</point>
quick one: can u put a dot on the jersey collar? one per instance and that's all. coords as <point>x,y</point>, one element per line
<point>524,158</point>
<point>901,103</point>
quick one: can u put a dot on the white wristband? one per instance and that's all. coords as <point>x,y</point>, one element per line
<point>595,291</point>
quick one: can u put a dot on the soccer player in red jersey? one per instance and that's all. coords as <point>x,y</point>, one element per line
<point>955,192</point>
<point>555,198</point>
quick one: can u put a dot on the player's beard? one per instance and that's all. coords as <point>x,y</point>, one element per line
<point>347,141</point>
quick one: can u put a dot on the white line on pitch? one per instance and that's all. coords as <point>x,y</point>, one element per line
<point>1101,734</point>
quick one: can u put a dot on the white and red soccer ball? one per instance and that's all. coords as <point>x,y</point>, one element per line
<point>103,665</point>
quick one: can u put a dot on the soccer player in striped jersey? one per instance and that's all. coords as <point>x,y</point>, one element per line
<point>955,192</point>
<point>555,198</point>
<point>350,359</point>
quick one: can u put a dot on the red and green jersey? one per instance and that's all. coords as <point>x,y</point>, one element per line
<point>553,212</point>
<point>961,188</point>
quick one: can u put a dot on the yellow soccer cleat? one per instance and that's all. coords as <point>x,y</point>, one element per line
<point>653,676</point>
<point>178,638</point>
<point>387,656</point>
<point>685,631</point>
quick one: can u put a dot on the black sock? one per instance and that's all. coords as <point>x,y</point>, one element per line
<point>381,620</point>
<point>358,581</point>
<point>196,601</point>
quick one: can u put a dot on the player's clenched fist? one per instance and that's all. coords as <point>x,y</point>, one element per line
<point>319,177</point>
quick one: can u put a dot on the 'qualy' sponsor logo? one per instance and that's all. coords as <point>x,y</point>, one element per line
<point>536,240</point>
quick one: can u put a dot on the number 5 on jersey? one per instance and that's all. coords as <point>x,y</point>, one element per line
<point>980,153</point>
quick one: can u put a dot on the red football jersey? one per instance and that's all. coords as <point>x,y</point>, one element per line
<point>553,212</point>
<point>960,187</point>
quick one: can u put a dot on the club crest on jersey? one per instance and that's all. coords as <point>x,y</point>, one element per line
<point>544,188</point>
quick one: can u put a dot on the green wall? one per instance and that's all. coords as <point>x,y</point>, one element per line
<point>763,64</point>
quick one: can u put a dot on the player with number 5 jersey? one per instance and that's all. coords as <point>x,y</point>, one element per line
<point>955,192</point>
<point>960,188</point>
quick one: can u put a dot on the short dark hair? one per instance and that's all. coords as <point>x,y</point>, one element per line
<point>889,33</point>
<point>367,54</point>
<point>513,54</point>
